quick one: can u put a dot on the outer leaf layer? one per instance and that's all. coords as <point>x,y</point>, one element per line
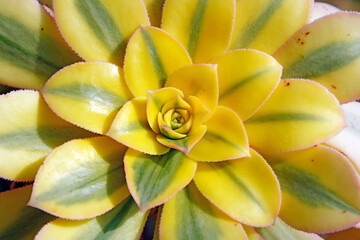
<point>320,189</point>
<point>203,26</point>
<point>31,48</point>
<point>327,51</point>
<point>224,139</point>
<point>151,56</point>
<point>188,215</point>
<point>236,188</point>
<point>125,221</point>
<point>299,114</point>
<point>131,128</point>
<point>87,94</point>
<point>154,179</point>
<point>99,29</point>
<point>81,179</point>
<point>18,221</point>
<point>29,131</point>
<point>265,25</point>
<point>243,73</point>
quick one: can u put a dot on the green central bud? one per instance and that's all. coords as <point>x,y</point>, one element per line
<point>177,120</point>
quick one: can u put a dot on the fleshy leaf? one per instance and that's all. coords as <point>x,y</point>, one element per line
<point>251,233</point>
<point>18,221</point>
<point>198,80</point>
<point>327,51</point>
<point>155,102</point>
<point>154,179</point>
<point>31,47</point>
<point>299,114</point>
<point>99,30</point>
<point>348,140</point>
<point>29,131</point>
<point>203,26</point>
<point>320,189</point>
<point>281,231</point>
<point>87,94</point>
<point>321,9</point>
<point>236,188</point>
<point>224,139</point>
<point>81,179</point>
<point>154,9</point>
<point>188,215</point>
<point>348,234</point>
<point>151,56</point>
<point>243,73</point>
<point>125,221</point>
<point>131,128</point>
<point>266,25</point>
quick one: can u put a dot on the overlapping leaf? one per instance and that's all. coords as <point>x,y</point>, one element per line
<point>87,179</point>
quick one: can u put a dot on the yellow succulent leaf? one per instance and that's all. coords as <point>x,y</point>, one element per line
<point>17,220</point>
<point>327,51</point>
<point>320,189</point>
<point>91,183</point>
<point>32,48</point>
<point>224,139</point>
<point>151,56</point>
<point>183,144</point>
<point>152,180</point>
<point>348,140</point>
<point>300,113</point>
<point>199,80</point>
<point>266,25</point>
<point>87,94</point>
<point>235,187</point>
<point>106,26</point>
<point>189,215</point>
<point>29,131</point>
<point>281,231</point>
<point>154,9</point>
<point>251,233</point>
<point>155,102</point>
<point>131,128</point>
<point>124,221</point>
<point>246,80</point>
<point>204,27</point>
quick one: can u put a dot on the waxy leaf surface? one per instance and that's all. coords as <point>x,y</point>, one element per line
<point>327,51</point>
<point>299,114</point>
<point>87,94</point>
<point>31,47</point>
<point>189,215</point>
<point>320,189</point>
<point>98,30</point>
<point>203,26</point>
<point>29,131</point>
<point>152,180</point>
<point>81,179</point>
<point>236,188</point>
<point>125,221</point>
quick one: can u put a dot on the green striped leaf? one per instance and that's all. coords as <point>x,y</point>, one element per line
<point>154,179</point>
<point>235,187</point>
<point>87,94</point>
<point>29,131</point>
<point>348,140</point>
<point>320,189</point>
<point>31,48</point>
<point>281,231</point>
<point>99,30</point>
<point>17,220</point>
<point>188,215</point>
<point>266,25</point>
<point>300,113</point>
<point>327,51</point>
<point>151,56</point>
<point>203,26</point>
<point>81,179</point>
<point>125,221</point>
